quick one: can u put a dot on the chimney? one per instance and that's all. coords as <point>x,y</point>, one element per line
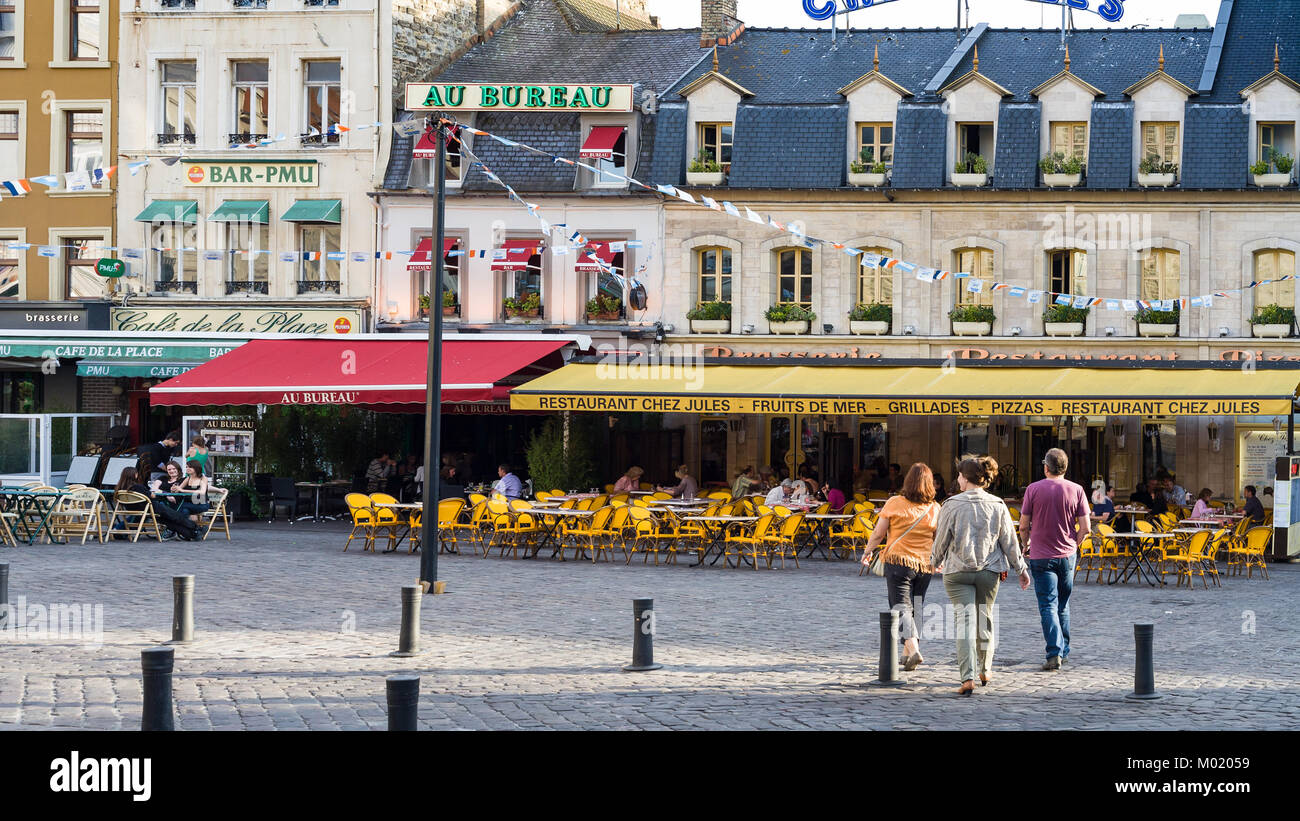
<point>718,23</point>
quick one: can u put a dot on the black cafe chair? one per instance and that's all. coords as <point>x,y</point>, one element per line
<point>284,493</point>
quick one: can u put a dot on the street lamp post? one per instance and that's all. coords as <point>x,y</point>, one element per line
<point>433,391</point>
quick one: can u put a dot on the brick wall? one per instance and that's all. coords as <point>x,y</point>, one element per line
<point>716,17</point>
<point>427,34</point>
<point>97,396</point>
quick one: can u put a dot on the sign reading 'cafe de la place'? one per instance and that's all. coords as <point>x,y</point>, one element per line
<point>237,321</point>
<point>527,97</point>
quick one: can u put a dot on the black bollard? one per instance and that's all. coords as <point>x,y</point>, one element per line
<point>403,703</point>
<point>157,667</point>
<point>182,610</point>
<point>643,637</point>
<point>1144,674</point>
<point>888,673</point>
<point>408,643</point>
<point>4,593</point>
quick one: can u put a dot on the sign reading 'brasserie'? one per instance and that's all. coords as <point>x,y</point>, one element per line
<point>232,320</point>
<point>531,96</point>
<point>263,173</point>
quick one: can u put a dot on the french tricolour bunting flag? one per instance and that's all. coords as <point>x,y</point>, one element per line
<point>16,188</point>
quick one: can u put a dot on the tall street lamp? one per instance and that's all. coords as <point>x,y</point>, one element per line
<point>433,392</point>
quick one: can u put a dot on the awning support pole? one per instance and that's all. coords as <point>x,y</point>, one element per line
<point>1290,431</point>
<point>433,396</point>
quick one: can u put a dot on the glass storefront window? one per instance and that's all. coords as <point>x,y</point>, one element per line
<point>713,451</point>
<point>1159,448</point>
<point>780,445</point>
<point>972,438</point>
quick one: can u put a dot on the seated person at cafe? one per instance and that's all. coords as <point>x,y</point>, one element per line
<point>833,496</point>
<point>168,517</point>
<point>895,478</point>
<point>451,485</point>
<point>780,494</point>
<point>1103,505</point>
<point>766,480</point>
<point>1202,509</point>
<point>1141,496</point>
<point>380,470</point>
<point>745,480</point>
<point>799,491</point>
<point>809,477</point>
<point>629,481</point>
<point>1159,501</point>
<point>1174,492</point>
<point>1254,509</point>
<point>195,484</point>
<point>508,485</point>
<point>686,487</point>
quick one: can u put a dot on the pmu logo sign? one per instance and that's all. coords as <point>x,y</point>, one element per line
<point>1111,10</point>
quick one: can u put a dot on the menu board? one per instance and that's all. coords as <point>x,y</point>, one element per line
<point>1257,452</point>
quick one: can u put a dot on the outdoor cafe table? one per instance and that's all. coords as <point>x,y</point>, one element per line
<point>30,505</point>
<point>820,535</point>
<point>1138,562</point>
<point>409,533</point>
<point>548,534</point>
<point>318,486</point>
<point>716,533</point>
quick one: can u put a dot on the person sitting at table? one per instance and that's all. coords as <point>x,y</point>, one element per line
<point>1141,496</point>
<point>1174,492</point>
<point>809,477</point>
<point>686,487</point>
<point>379,471</point>
<point>629,481</point>
<point>508,484</point>
<point>779,494</point>
<point>744,481</point>
<point>766,479</point>
<point>1254,509</point>
<point>1159,500</point>
<point>1202,509</point>
<point>195,484</point>
<point>172,481</point>
<point>451,486</point>
<point>170,518</point>
<point>833,496</point>
<point>1103,506</point>
<point>799,492</point>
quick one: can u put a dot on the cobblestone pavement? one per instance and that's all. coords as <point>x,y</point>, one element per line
<point>294,634</point>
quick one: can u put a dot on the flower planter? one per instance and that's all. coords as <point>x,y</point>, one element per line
<point>1272,180</point>
<point>970,180</point>
<point>520,316</point>
<point>1062,180</point>
<point>609,316</point>
<point>424,313</point>
<point>1155,329</point>
<point>865,180</point>
<point>705,177</point>
<point>1063,328</point>
<point>1155,180</point>
<point>972,328</point>
<point>868,328</point>
<point>800,327</point>
<point>1271,331</point>
<point>450,310</point>
<point>710,326</point>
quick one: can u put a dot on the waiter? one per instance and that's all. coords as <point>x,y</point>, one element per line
<point>154,455</point>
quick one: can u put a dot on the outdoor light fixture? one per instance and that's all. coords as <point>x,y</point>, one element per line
<point>1110,331</point>
<point>1277,424</point>
<point>828,328</point>
<point>1004,433</point>
<point>1213,430</point>
<point>1016,330</point>
<point>659,332</point>
<point>1117,430</point>
<point>1223,332</point>
<point>392,312</point>
<point>909,330</point>
<point>747,329</point>
<point>669,328</point>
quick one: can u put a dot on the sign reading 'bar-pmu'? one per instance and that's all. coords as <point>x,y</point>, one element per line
<point>517,97</point>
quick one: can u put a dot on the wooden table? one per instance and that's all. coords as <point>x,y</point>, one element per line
<point>1138,561</point>
<point>717,533</point>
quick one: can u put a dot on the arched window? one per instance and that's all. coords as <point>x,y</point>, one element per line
<point>714,266</point>
<point>1274,264</point>
<point>875,284</point>
<point>1161,268</point>
<point>978,262</point>
<point>794,268</point>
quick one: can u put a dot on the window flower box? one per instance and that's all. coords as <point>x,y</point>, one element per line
<point>972,328</point>
<point>868,180</point>
<point>1062,180</point>
<point>604,309</point>
<point>528,306</point>
<point>793,327</point>
<point>1064,320</point>
<point>970,180</point>
<point>1272,322</point>
<point>870,319</point>
<point>1156,180</point>
<point>865,172</point>
<point>868,328</point>
<point>972,320</point>
<point>1271,331</point>
<point>1272,180</point>
<point>1273,171</point>
<point>971,171</point>
<point>710,318</point>
<point>1060,171</point>
<point>705,170</point>
<point>1063,328</point>
<point>1157,323</point>
<point>789,319</point>
<point>1154,172</point>
<point>710,326</point>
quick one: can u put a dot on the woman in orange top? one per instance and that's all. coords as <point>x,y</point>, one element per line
<point>908,520</point>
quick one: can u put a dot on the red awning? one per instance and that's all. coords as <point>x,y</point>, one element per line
<point>355,372</point>
<point>420,259</point>
<point>516,259</point>
<point>586,263</point>
<point>426,148</point>
<point>600,142</point>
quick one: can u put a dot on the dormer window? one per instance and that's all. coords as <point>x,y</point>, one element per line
<point>1160,140</point>
<point>1070,140</point>
<point>975,138</point>
<point>605,147</point>
<point>1276,137</point>
<point>876,143</point>
<point>714,139</point>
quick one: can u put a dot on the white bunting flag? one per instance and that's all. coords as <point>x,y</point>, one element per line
<point>1197,302</point>
<point>617,247</point>
<point>1112,304</point>
<point>685,196</point>
<point>133,253</point>
<point>360,256</point>
<point>47,251</point>
<point>710,203</point>
<point>1129,304</point>
<point>1209,300</point>
<point>1035,297</point>
<point>975,286</point>
<point>288,256</point>
<point>77,180</point>
<point>1082,301</point>
<point>730,209</point>
<point>1016,292</point>
<point>560,250</point>
<point>634,243</point>
<point>752,217</point>
<point>214,256</point>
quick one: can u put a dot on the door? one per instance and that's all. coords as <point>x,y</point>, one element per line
<point>837,461</point>
<point>793,442</point>
<point>713,452</point>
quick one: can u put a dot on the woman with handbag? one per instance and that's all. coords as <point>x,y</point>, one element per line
<point>975,545</point>
<point>908,520</point>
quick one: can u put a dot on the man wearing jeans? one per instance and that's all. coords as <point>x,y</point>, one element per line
<point>1053,519</point>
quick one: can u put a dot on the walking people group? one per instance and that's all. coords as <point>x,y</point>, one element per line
<point>973,543</point>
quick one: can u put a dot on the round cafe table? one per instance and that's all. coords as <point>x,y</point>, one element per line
<point>1138,561</point>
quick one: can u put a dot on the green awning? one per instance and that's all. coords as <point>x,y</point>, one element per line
<point>154,370</point>
<point>315,211</point>
<point>255,211</point>
<point>183,211</point>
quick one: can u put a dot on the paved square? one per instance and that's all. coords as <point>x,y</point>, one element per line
<point>294,634</point>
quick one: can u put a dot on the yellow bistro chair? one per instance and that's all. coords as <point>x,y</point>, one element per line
<point>363,520</point>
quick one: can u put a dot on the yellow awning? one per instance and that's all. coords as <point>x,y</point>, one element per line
<point>910,391</point>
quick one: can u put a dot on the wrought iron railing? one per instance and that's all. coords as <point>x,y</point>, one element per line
<point>179,286</point>
<point>318,286</point>
<point>239,286</point>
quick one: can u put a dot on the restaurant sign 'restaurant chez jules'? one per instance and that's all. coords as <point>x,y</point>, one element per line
<point>526,97</point>
<point>854,352</point>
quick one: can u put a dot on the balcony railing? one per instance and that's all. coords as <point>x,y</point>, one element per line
<point>245,287</point>
<point>178,286</point>
<point>245,137</point>
<point>180,5</point>
<point>249,4</point>
<point>319,139</point>
<point>318,286</point>
<point>171,139</point>
<point>320,2</point>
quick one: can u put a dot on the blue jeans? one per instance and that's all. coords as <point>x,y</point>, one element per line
<point>1053,583</point>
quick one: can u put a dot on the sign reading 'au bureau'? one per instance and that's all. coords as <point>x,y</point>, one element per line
<point>259,173</point>
<point>512,97</point>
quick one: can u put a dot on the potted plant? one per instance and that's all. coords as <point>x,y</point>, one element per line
<point>1154,172</point>
<point>1265,175</point>
<point>449,306</point>
<point>1064,320</point>
<point>972,320</point>
<point>705,170</point>
<point>424,305</point>
<point>523,307</point>
<point>971,171</point>
<point>1152,322</point>
<point>1060,171</point>
<point>870,318</point>
<point>1272,321</point>
<point>710,318</point>
<point>603,308</point>
<point>865,172</point>
<point>789,318</point>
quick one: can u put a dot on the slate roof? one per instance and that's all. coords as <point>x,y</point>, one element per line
<point>525,171</point>
<point>1215,146</point>
<point>1248,50</point>
<point>920,146</point>
<point>780,146</point>
<point>397,176</point>
<point>668,163</point>
<point>1016,163</point>
<point>586,15</point>
<point>1110,145</point>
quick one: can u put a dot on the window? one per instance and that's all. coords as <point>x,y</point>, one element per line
<point>713,450</point>
<point>1274,265</point>
<point>975,138</point>
<point>616,163</point>
<point>324,87</point>
<point>19,393</point>
<point>79,278</point>
<point>175,260</point>
<point>873,450</point>
<point>252,98</point>
<point>1159,449</point>
<point>1279,137</point>
<point>525,279</point>
<point>972,438</point>
<point>1070,139</point>
<point>1160,273</point>
<point>978,262</point>
<point>9,263</point>
<point>714,265</point>
<point>450,276</point>
<point>84,40</point>
<point>715,141</point>
<point>250,262</point>
<point>877,140</point>
<point>8,30</point>
<point>321,273</point>
<point>608,283</point>
<point>179,102</point>
<point>1160,140</point>
<point>875,284</point>
<point>250,4</point>
<point>452,163</point>
<point>11,160</point>
<point>85,143</point>
<point>1068,272</point>
<point>795,268</point>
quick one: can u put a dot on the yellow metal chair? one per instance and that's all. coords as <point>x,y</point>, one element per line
<point>449,515</point>
<point>595,534</point>
<point>386,518</point>
<point>1252,550</point>
<point>1187,558</point>
<point>784,542</point>
<point>363,519</point>
<point>751,544</point>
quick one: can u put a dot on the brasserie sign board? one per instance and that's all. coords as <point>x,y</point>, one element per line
<point>245,173</point>
<point>304,321</point>
<point>517,97</point>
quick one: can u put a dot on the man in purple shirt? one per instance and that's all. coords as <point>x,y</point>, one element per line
<point>1054,519</point>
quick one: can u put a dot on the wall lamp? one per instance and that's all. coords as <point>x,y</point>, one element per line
<point>909,330</point>
<point>828,328</point>
<point>747,329</point>
<point>1017,330</point>
<point>1224,332</point>
<point>1110,330</point>
<point>1213,430</point>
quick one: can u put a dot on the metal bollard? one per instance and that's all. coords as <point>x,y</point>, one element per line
<point>182,610</point>
<point>888,673</point>
<point>643,637</point>
<point>158,713</point>
<point>4,593</point>
<point>403,703</point>
<point>1144,674</point>
<point>408,643</point>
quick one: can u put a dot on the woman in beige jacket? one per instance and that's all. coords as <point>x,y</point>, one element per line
<point>975,543</point>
